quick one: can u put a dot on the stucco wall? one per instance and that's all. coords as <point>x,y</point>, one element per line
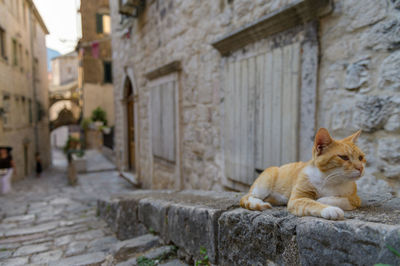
<point>99,96</point>
<point>17,82</point>
<point>358,85</point>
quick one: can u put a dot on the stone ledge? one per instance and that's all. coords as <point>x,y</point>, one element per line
<point>234,236</point>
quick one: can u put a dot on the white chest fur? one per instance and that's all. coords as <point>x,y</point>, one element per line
<point>326,189</point>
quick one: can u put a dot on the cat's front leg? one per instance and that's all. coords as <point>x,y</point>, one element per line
<point>341,202</point>
<point>304,206</point>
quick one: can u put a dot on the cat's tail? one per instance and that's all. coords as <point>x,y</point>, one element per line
<point>250,202</point>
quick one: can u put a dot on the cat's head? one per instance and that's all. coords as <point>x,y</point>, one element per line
<point>342,160</point>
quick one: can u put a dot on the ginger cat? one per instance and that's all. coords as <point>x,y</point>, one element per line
<point>322,187</point>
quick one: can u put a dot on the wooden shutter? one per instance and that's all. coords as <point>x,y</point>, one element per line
<point>99,23</point>
<point>163,120</point>
<point>261,112</point>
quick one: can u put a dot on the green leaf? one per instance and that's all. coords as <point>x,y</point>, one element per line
<point>392,249</point>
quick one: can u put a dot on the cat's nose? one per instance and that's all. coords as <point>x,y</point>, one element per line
<point>359,168</point>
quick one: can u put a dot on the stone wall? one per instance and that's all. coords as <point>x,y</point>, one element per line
<point>18,82</point>
<point>97,92</point>
<point>357,84</point>
<point>192,220</point>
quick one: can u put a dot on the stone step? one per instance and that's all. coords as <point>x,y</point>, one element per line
<point>154,256</point>
<point>210,224</point>
<point>124,250</point>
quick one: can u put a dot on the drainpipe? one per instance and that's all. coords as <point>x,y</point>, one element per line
<point>34,98</point>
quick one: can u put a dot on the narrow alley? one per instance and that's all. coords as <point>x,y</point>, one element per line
<point>45,220</point>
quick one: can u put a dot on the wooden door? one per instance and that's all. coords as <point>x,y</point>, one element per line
<point>131,131</point>
<point>261,112</point>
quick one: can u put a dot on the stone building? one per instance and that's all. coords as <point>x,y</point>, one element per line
<point>209,93</point>
<point>95,57</point>
<point>24,123</point>
<point>63,87</point>
<point>64,96</point>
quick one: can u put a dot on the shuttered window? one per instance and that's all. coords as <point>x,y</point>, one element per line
<point>261,112</point>
<point>163,119</point>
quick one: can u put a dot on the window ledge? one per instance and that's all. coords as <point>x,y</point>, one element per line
<point>164,70</point>
<point>298,13</point>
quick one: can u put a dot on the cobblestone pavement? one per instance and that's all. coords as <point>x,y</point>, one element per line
<point>46,220</point>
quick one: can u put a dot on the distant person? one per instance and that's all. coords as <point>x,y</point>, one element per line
<point>6,169</point>
<point>38,165</point>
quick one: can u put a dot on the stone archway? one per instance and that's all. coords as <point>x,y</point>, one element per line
<point>65,117</point>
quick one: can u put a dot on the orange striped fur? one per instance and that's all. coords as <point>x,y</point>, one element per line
<point>321,187</point>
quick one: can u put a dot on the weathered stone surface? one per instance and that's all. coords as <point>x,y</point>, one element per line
<point>364,13</point>
<point>75,248</point>
<point>389,76</point>
<point>32,249</point>
<point>31,230</point>
<point>188,218</point>
<point>46,257</point>
<point>60,241</point>
<point>121,213</point>
<point>252,238</point>
<point>128,248</point>
<point>383,36</point>
<point>389,155</point>
<point>356,74</point>
<point>174,262</point>
<point>92,234</point>
<point>372,112</point>
<point>87,259</point>
<point>153,213</point>
<point>5,254</point>
<point>15,261</point>
<point>322,242</point>
<point>20,219</point>
<point>393,123</point>
<point>102,244</point>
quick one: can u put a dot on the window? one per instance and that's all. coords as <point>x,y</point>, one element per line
<point>34,28</point>
<point>103,23</point>
<point>15,52</point>
<point>36,69</point>
<point>163,117</point>
<point>30,111</point>
<point>27,60</point>
<point>24,12</point>
<point>21,63</point>
<point>7,110</point>
<point>3,44</point>
<point>107,72</point>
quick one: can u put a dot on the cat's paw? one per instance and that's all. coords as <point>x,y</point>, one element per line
<point>332,213</point>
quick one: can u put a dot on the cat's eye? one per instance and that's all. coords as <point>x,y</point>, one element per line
<point>360,157</point>
<point>344,157</point>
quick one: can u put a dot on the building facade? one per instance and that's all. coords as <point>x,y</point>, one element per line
<point>24,123</point>
<point>210,93</point>
<point>95,57</point>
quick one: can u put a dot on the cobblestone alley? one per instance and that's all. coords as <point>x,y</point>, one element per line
<point>45,220</point>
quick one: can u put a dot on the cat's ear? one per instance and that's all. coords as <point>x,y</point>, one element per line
<point>353,138</point>
<point>322,140</point>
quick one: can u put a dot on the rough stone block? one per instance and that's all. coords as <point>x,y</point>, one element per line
<point>128,248</point>
<point>193,222</point>
<point>153,213</point>
<point>87,259</point>
<point>257,238</point>
<point>350,242</point>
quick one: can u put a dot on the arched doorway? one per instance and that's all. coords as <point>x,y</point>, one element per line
<point>130,122</point>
